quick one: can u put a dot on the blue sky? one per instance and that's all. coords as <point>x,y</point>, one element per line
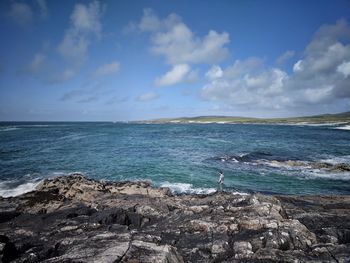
<point>132,60</point>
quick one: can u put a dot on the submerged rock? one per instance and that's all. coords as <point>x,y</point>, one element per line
<point>74,219</point>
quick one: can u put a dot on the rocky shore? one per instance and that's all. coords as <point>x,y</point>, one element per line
<point>75,219</point>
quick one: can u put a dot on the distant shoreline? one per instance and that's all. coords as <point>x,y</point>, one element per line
<point>249,123</point>
<point>331,119</point>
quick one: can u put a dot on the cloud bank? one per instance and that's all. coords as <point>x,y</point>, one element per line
<point>321,77</point>
<point>174,40</point>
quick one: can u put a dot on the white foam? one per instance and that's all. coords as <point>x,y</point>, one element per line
<point>38,125</point>
<point>187,188</point>
<point>337,160</point>
<point>5,191</point>
<point>285,164</point>
<point>317,124</point>
<point>184,188</point>
<point>346,127</point>
<point>334,176</point>
<point>5,129</point>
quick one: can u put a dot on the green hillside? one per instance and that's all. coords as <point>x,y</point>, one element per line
<point>324,118</point>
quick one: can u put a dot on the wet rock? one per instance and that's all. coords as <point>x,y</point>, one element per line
<point>74,219</point>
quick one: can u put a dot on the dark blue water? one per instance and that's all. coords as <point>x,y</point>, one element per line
<point>185,157</point>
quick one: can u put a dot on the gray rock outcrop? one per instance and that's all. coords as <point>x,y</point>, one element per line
<point>74,219</point>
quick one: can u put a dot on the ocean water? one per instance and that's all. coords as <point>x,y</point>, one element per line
<point>281,159</point>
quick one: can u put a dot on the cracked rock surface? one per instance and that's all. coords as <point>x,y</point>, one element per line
<point>75,219</point>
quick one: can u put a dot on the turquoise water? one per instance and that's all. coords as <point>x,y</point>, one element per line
<point>186,158</point>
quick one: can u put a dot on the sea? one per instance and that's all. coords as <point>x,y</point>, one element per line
<point>187,158</point>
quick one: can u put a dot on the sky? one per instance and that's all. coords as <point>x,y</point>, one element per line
<point>136,60</point>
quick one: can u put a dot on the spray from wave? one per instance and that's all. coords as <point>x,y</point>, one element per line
<point>346,127</point>
<point>185,188</point>
<point>7,190</point>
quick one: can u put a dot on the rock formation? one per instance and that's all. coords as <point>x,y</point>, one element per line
<point>74,219</point>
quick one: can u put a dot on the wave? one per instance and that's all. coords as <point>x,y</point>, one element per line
<point>11,128</point>
<point>247,157</point>
<point>317,124</point>
<point>336,159</point>
<point>73,137</point>
<point>28,183</point>
<point>7,191</point>
<point>346,127</point>
<point>312,174</point>
<point>337,168</point>
<point>185,188</point>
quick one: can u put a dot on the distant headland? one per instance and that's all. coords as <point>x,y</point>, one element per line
<point>338,118</point>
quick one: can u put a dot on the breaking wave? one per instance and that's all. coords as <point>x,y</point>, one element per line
<point>7,189</point>
<point>346,127</point>
<point>337,168</point>
<point>185,188</point>
<point>10,128</point>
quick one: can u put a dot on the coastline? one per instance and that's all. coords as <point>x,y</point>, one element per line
<point>324,119</point>
<point>75,219</point>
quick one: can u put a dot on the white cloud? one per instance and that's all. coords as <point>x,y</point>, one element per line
<point>285,57</point>
<point>179,45</point>
<point>319,77</point>
<point>344,68</point>
<point>151,23</point>
<point>246,83</point>
<point>147,97</point>
<point>74,48</point>
<point>317,95</point>
<point>174,40</point>
<point>178,74</point>
<point>21,13</point>
<point>43,8</point>
<point>37,63</point>
<point>86,18</point>
<point>214,72</point>
<point>85,24</point>
<point>298,66</point>
<point>107,69</point>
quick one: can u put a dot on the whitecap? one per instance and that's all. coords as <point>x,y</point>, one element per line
<point>187,188</point>
<point>333,176</point>
<point>336,159</point>
<point>290,165</point>
<point>316,124</point>
<point>346,127</point>
<point>6,129</point>
<point>6,191</point>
